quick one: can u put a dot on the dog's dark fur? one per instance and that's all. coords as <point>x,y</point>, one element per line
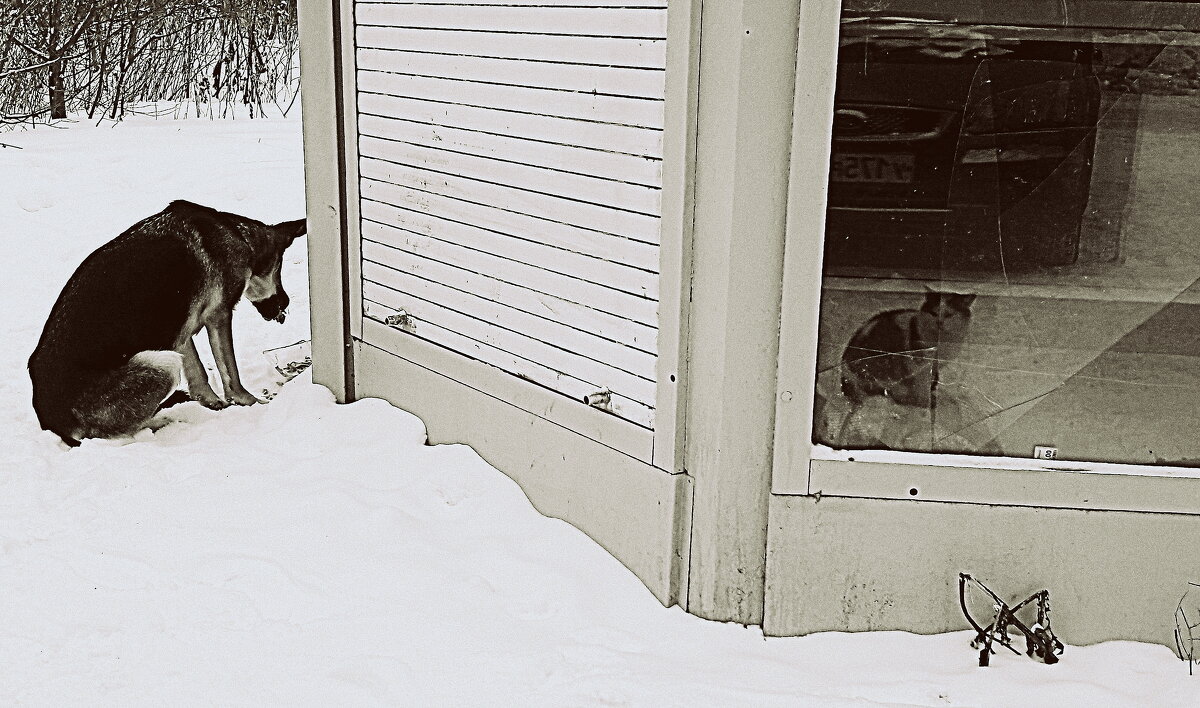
<point>120,335</point>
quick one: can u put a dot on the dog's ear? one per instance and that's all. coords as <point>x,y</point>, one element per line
<point>292,229</point>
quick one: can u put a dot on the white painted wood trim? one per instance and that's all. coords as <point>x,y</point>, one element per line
<point>745,103</point>
<point>323,195</point>
<point>1050,489</point>
<point>675,252</point>
<point>812,133</point>
<point>353,215</point>
<point>613,432</point>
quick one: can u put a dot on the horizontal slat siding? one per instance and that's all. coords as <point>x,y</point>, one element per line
<point>630,169</point>
<point>534,371</point>
<point>602,324</point>
<point>642,23</point>
<point>599,51</point>
<point>576,187</point>
<point>597,297</point>
<point>619,139</point>
<point>612,81</point>
<point>662,4</point>
<point>412,217</point>
<point>618,110</point>
<point>598,375</point>
<point>605,353</point>
<point>511,173</point>
<point>634,254</point>
<point>639,227</point>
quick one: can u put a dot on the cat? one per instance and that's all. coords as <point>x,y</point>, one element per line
<point>895,354</point>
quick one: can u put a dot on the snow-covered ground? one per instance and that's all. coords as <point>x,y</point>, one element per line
<point>305,553</point>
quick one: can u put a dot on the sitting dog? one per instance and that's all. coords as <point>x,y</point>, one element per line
<point>120,335</point>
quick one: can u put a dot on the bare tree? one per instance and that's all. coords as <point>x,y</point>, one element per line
<point>49,33</point>
<point>105,56</point>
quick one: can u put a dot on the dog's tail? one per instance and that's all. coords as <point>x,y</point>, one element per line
<point>123,400</point>
<point>170,363</point>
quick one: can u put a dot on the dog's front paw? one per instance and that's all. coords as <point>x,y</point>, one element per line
<point>211,401</point>
<point>243,398</point>
<point>216,404</point>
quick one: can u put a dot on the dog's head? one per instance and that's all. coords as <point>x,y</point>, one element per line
<point>264,289</point>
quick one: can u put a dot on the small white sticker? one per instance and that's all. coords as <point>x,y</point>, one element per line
<point>1045,452</point>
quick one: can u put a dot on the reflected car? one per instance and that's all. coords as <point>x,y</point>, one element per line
<point>959,146</point>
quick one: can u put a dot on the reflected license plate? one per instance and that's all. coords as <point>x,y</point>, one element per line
<point>880,169</point>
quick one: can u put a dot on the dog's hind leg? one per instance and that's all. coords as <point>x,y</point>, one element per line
<point>122,401</point>
<point>175,399</point>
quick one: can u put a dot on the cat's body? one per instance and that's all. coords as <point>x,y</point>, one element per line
<point>895,354</point>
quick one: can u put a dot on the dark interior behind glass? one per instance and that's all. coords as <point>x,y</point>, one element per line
<point>1010,253</point>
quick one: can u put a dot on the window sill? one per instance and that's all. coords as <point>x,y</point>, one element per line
<point>964,479</point>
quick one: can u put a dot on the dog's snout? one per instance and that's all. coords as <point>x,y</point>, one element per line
<point>274,308</point>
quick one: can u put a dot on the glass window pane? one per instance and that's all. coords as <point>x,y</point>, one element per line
<point>1011,250</point>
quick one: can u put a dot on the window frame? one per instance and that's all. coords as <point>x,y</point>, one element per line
<point>803,468</point>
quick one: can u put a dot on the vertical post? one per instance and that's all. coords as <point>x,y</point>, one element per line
<point>812,135</point>
<point>747,73</point>
<point>323,106</point>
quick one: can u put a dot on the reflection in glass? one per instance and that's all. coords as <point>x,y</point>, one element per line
<point>1010,250</point>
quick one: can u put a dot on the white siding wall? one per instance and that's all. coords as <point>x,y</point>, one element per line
<point>511,181</point>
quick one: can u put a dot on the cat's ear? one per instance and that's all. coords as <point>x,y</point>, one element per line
<point>966,300</point>
<point>932,297</point>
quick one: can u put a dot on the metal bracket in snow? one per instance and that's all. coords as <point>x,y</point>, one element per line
<point>599,399</point>
<point>402,320</point>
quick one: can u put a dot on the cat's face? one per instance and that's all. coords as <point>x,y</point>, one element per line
<point>952,310</point>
